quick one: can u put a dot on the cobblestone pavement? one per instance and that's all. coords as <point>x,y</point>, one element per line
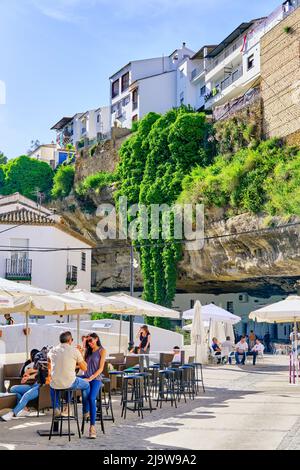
<point>243,408</point>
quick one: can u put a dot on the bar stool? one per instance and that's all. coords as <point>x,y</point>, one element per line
<point>154,378</point>
<point>132,395</point>
<point>146,390</point>
<point>179,383</point>
<point>166,392</point>
<point>99,412</point>
<point>198,376</point>
<point>65,396</point>
<point>188,380</point>
<point>107,401</point>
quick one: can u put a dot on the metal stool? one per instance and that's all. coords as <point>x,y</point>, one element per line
<point>188,380</point>
<point>146,390</point>
<point>107,401</point>
<point>198,376</point>
<point>166,390</point>
<point>179,383</point>
<point>132,395</point>
<point>65,396</point>
<point>154,378</point>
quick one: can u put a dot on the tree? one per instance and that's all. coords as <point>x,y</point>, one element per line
<point>63,181</point>
<point>25,175</point>
<point>3,158</point>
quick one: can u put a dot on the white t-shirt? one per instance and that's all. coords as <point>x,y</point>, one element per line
<point>258,348</point>
<point>242,346</point>
<point>177,357</point>
<point>228,345</point>
<point>63,364</point>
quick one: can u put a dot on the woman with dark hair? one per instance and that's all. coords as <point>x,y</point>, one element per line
<point>145,338</point>
<point>94,355</point>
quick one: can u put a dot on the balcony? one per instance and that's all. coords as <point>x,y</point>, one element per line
<point>18,269</point>
<point>232,78</point>
<point>72,276</point>
<point>196,73</point>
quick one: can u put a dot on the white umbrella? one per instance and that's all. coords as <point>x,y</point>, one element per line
<point>285,311</point>
<point>216,330</point>
<point>198,335</point>
<point>102,304</point>
<point>213,312</point>
<point>229,330</point>
<point>142,307</point>
<point>34,301</point>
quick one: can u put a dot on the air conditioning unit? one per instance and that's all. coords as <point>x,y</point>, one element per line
<point>244,298</point>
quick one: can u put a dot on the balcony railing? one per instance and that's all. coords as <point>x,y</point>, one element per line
<point>18,269</point>
<point>72,276</point>
<point>232,78</point>
<point>197,72</point>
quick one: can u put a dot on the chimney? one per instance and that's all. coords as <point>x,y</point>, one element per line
<point>183,44</point>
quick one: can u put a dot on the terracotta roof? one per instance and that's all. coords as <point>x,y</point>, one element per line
<point>25,216</point>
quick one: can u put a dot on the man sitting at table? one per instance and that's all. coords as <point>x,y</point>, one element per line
<point>63,361</point>
<point>257,349</point>
<point>241,350</point>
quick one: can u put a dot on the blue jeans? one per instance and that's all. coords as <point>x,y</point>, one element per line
<point>89,403</point>
<point>79,384</point>
<point>237,357</point>
<point>25,393</point>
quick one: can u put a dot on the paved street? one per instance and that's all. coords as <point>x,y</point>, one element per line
<point>244,408</point>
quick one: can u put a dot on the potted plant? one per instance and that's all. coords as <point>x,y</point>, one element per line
<point>287,29</point>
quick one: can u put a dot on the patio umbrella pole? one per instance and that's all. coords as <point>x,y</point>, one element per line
<point>78,329</point>
<point>27,336</point>
<point>120,332</point>
<point>296,352</point>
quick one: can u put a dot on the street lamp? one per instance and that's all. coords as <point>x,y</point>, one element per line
<point>133,265</point>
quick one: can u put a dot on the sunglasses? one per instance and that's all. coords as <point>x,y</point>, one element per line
<point>90,340</point>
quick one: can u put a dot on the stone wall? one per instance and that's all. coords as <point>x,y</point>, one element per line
<point>105,157</point>
<point>280,78</point>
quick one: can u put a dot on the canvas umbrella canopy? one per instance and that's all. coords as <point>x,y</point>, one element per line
<point>198,335</point>
<point>216,330</point>
<point>101,304</point>
<point>34,301</point>
<point>285,311</point>
<point>142,307</point>
<point>213,312</point>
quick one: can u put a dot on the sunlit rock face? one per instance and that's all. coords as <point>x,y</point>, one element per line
<point>263,260</point>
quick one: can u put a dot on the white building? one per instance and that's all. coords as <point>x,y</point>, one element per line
<point>145,85</point>
<point>26,229</point>
<point>45,153</point>
<point>84,129</point>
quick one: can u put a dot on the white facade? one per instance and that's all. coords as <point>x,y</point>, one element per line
<point>45,153</point>
<point>146,85</point>
<point>41,229</point>
<point>87,128</point>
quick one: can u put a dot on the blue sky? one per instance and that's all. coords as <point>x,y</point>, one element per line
<point>56,55</point>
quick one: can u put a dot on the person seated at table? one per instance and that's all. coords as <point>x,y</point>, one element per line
<point>228,346</point>
<point>257,349</point>
<point>177,355</point>
<point>27,391</point>
<point>216,348</point>
<point>135,350</point>
<point>241,350</point>
<point>62,362</point>
<point>94,355</point>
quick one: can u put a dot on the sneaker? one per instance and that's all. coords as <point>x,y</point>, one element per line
<point>23,414</point>
<point>8,416</point>
<point>92,433</point>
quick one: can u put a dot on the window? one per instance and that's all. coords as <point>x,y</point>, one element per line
<point>182,97</point>
<point>135,118</point>
<point>230,307</point>
<point>98,118</point>
<point>83,261</point>
<point>126,100</point>
<point>135,99</point>
<point>192,303</point>
<point>181,73</point>
<point>125,82</point>
<point>115,88</point>
<point>203,90</point>
<point>250,62</point>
